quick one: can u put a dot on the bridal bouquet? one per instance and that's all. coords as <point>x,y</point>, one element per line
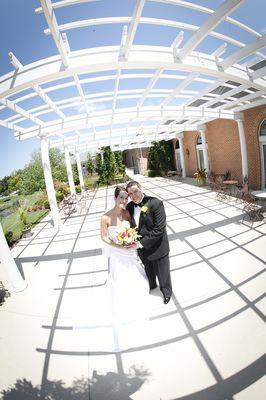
<point>127,236</point>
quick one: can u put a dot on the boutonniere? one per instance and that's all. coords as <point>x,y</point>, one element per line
<point>144,209</point>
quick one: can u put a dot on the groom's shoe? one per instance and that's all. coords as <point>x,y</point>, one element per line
<point>166,300</point>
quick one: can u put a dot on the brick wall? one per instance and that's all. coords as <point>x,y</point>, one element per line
<point>252,121</point>
<point>224,147</point>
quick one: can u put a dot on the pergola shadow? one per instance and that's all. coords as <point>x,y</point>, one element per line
<point>181,307</point>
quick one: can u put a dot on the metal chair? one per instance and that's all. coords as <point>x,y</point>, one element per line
<point>251,209</point>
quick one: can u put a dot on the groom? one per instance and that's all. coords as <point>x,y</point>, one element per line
<point>148,215</point>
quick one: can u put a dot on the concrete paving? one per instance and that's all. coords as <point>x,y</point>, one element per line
<point>208,343</point>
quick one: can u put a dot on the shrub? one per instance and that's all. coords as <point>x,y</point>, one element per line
<point>161,156</point>
<point>153,172</point>
<point>78,188</point>
<point>61,187</point>
<point>59,196</point>
<point>23,215</point>
<point>9,237</point>
<point>46,204</point>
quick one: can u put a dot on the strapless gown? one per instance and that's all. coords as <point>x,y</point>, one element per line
<point>121,311</point>
<point>127,281</point>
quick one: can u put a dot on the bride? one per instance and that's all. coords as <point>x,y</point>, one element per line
<point>126,280</point>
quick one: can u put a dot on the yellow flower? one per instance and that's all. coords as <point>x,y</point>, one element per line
<point>144,209</point>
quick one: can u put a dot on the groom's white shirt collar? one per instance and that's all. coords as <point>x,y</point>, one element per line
<point>137,211</point>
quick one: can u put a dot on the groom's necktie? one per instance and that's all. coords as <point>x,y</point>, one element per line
<point>139,204</point>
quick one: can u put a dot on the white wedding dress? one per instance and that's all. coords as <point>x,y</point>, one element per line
<point>117,320</point>
<point>127,281</point>
<point>129,291</point>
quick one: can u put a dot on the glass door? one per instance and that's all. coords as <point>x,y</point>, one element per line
<point>178,160</point>
<point>200,159</point>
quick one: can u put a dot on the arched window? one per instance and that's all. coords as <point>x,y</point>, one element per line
<point>263,128</point>
<point>199,140</point>
<point>262,141</point>
<point>177,146</point>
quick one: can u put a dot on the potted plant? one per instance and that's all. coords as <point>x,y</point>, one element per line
<point>26,227</point>
<point>200,176</point>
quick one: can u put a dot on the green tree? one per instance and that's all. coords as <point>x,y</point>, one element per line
<point>58,167</point>
<point>32,177</point>
<point>161,156</point>
<point>119,162</point>
<point>109,164</point>
<point>90,165</point>
<point>98,167</point>
<point>4,185</point>
<point>75,173</point>
<point>14,181</point>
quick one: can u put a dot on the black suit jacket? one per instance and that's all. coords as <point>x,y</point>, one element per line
<point>152,228</point>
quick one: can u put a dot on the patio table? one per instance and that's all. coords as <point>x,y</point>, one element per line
<point>260,195</point>
<point>231,184</point>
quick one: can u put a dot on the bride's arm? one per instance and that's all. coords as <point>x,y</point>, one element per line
<point>104,233</point>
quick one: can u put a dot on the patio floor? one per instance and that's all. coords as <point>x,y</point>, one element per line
<point>208,343</point>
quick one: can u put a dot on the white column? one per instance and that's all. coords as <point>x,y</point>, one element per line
<point>81,180</point>
<point>69,172</point>
<point>182,157</point>
<point>49,182</point>
<point>243,147</point>
<point>202,130</point>
<point>14,278</point>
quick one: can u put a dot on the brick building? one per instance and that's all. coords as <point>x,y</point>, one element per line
<point>223,149</point>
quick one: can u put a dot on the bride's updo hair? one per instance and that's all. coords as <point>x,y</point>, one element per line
<point>119,189</point>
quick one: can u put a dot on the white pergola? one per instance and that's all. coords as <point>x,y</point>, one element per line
<point>229,81</point>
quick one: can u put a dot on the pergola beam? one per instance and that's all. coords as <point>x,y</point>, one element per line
<point>49,69</point>
<point>64,3</point>
<point>260,73</point>
<point>244,52</point>
<point>206,10</point>
<point>179,87</point>
<point>123,115</point>
<point>248,97</point>
<point>19,110</point>
<point>133,26</point>
<point>150,85</point>
<point>229,93</point>
<point>222,12</point>
<point>47,7</point>
<point>146,21</point>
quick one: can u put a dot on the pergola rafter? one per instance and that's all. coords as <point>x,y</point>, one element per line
<point>205,86</point>
<point>226,8</point>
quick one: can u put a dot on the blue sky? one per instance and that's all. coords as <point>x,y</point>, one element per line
<point>21,31</point>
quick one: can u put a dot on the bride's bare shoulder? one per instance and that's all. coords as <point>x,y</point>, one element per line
<point>107,216</point>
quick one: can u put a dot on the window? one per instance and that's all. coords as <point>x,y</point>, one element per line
<point>263,128</point>
<point>199,140</point>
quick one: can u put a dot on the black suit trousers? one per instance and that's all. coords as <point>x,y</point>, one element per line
<point>159,268</point>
